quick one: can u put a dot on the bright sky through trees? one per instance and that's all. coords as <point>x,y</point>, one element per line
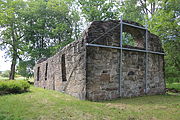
<point>4,64</point>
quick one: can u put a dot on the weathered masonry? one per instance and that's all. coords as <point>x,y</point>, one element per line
<point>112,59</point>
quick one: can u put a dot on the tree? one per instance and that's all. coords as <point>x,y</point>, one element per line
<point>24,68</point>
<point>165,23</point>
<point>98,9</point>
<point>34,29</point>
<point>49,25</point>
<point>10,23</point>
<point>132,11</point>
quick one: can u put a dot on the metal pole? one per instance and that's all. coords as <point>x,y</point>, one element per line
<point>128,49</point>
<point>146,59</point>
<point>120,69</point>
<point>143,28</point>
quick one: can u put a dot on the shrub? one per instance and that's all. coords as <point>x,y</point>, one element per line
<point>14,86</point>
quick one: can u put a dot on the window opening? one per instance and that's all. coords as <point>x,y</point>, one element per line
<point>38,72</point>
<point>128,39</point>
<point>46,71</point>
<point>63,67</point>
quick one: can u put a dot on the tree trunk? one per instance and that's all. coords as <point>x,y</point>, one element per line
<point>14,55</point>
<point>13,67</point>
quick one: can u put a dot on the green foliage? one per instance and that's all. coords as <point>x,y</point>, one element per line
<point>173,85</point>
<point>172,74</point>
<point>128,39</point>
<point>165,24</point>
<point>99,9</point>
<point>132,11</point>
<point>34,29</point>
<point>5,73</point>
<point>13,86</point>
<point>24,68</point>
<point>48,24</point>
<point>11,32</point>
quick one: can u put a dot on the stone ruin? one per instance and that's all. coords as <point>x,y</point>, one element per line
<point>95,73</point>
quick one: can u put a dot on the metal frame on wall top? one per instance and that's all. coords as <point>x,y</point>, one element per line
<point>121,48</point>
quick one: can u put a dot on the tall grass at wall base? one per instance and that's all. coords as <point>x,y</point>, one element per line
<point>13,86</point>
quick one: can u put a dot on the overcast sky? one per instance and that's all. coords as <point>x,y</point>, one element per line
<point>4,64</point>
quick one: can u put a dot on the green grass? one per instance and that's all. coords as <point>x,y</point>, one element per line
<point>173,85</point>
<point>40,104</point>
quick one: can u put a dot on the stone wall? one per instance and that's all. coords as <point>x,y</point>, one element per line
<point>102,73</point>
<point>103,64</point>
<point>133,68</point>
<point>155,76</point>
<point>93,73</point>
<point>75,83</point>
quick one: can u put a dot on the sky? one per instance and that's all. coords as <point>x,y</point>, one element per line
<point>4,63</point>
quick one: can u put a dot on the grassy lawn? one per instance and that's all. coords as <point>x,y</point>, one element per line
<point>40,104</point>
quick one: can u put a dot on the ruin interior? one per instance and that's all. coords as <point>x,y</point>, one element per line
<point>112,59</point>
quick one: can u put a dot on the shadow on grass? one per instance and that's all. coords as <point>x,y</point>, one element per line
<point>2,93</point>
<point>148,99</point>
